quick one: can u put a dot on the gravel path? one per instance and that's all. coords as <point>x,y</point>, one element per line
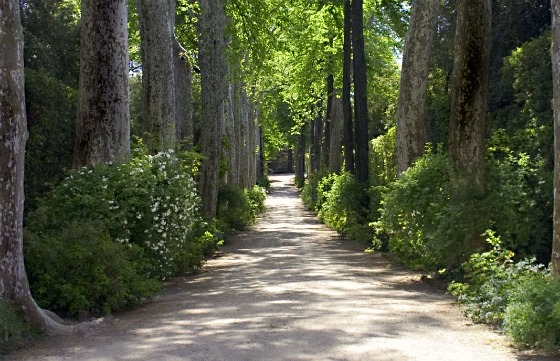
<point>289,289</point>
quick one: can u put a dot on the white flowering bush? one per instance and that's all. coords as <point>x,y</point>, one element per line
<point>150,205</point>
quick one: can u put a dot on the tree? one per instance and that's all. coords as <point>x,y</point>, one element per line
<point>555,259</point>
<point>103,123</point>
<point>360,93</point>
<point>412,106</point>
<point>14,286</point>
<point>213,93</point>
<point>467,127</point>
<point>347,89</point>
<point>156,20</point>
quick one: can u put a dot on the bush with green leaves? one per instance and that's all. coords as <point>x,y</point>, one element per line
<point>433,225</point>
<point>238,208</point>
<point>383,167</point>
<point>532,316</point>
<point>13,329</point>
<point>413,213</point>
<point>148,207</point>
<point>344,206</point>
<point>314,188</point>
<point>491,277</point>
<point>81,269</point>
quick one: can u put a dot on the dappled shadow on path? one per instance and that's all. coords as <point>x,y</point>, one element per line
<point>291,289</point>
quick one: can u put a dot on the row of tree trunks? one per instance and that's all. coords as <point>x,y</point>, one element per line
<point>243,140</point>
<point>103,121</point>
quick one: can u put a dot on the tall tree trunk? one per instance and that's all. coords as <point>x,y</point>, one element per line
<point>555,259</point>
<point>325,152</point>
<point>311,150</point>
<point>317,141</point>
<point>231,151</point>
<point>14,287</point>
<point>347,89</point>
<point>183,98</point>
<point>335,159</point>
<point>213,88</point>
<point>360,94</point>
<point>467,126</point>
<point>244,143</point>
<point>103,124</point>
<point>158,76</point>
<point>300,159</point>
<point>412,106</point>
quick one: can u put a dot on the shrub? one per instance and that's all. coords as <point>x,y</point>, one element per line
<point>81,269</point>
<point>311,194</point>
<point>148,207</point>
<point>238,208</point>
<point>257,198</point>
<point>491,277</point>
<point>433,225</point>
<point>414,214</point>
<point>533,313</point>
<point>383,167</point>
<point>344,206</point>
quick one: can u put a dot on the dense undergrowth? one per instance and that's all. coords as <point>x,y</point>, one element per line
<point>483,242</point>
<point>105,238</point>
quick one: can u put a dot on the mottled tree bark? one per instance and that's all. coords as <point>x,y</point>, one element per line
<point>467,128</point>
<point>14,287</point>
<point>555,259</point>
<point>158,76</point>
<point>213,87</point>
<point>361,162</point>
<point>347,89</point>
<point>412,106</point>
<point>103,124</point>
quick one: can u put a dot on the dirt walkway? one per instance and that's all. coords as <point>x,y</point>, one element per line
<point>289,289</point>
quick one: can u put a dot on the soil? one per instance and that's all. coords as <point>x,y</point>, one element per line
<point>289,289</point>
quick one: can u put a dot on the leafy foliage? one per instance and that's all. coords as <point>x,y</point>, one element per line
<point>314,189</point>
<point>491,277</point>
<point>81,269</point>
<point>132,222</point>
<point>345,206</point>
<point>533,313</point>
<point>238,207</point>
<point>434,226</point>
